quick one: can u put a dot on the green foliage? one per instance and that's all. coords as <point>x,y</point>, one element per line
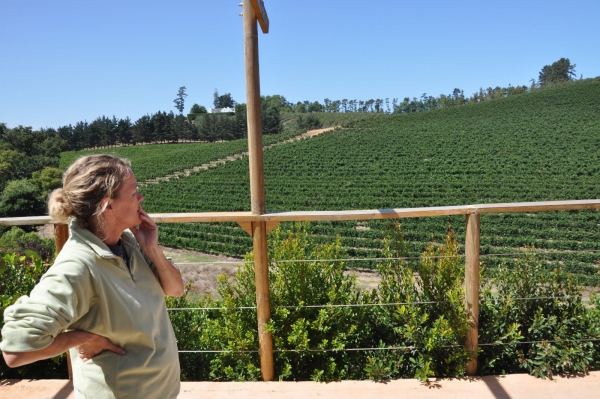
<point>24,151</point>
<point>188,326</point>
<point>223,101</point>
<point>431,322</point>
<point>18,276</point>
<point>296,329</point>
<point>153,161</point>
<point>180,99</point>
<point>21,198</point>
<point>308,122</point>
<point>47,179</point>
<point>270,120</point>
<point>18,241</point>
<point>312,325</point>
<point>559,72</point>
<point>8,160</point>
<point>195,112</point>
<point>538,321</point>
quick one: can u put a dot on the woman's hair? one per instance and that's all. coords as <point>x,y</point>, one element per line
<point>86,183</point>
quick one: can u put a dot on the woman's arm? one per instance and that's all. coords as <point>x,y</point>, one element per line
<point>88,344</point>
<point>147,236</point>
<point>168,275</point>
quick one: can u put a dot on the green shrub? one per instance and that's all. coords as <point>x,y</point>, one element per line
<point>431,321</point>
<point>422,334</point>
<point>538,321</point>
<point>18,275</point>
<point>297,330</point>
<point>16,240</point>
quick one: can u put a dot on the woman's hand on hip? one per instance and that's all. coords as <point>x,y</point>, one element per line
<point>95,344</point>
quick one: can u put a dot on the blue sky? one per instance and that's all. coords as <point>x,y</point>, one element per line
<point>63,61</point>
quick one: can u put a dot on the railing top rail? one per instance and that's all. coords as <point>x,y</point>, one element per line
<point>397,213</point>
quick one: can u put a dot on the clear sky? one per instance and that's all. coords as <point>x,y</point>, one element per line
<point>64,61</point>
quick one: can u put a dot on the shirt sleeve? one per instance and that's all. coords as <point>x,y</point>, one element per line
<point>61,297</point>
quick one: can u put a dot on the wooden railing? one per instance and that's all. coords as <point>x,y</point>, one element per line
<point>248,221</point>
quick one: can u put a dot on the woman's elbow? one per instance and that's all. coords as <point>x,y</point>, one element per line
<point>13,359</point>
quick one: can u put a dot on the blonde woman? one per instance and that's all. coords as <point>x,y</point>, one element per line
<point>103,299</point>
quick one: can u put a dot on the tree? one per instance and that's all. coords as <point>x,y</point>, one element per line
<point>125,131</point>
<point>3,130</point>
<point>47,179</point>
<point>315,107</point>
<point>195,111</point>
<point>224,101</point>
<point>21,198</point>
<point>8,160</point>
<point>271,121</point>
<point>180,100</point>
<point>559,71</point>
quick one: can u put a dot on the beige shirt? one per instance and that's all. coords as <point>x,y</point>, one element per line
<point>89,288</point>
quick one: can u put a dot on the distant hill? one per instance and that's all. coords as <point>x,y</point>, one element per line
<point>538,146</point>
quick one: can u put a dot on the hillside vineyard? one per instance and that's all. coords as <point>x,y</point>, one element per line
<point>539,146</point>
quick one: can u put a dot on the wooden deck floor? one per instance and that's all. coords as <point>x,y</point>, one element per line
<point>514,386</point>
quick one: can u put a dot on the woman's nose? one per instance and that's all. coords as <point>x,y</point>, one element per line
<point>140,197</point>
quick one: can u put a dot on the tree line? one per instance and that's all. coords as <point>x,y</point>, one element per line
<point>558,72</point>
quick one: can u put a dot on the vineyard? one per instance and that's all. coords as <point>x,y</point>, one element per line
<point>152,161</point>
<point>538,146</point>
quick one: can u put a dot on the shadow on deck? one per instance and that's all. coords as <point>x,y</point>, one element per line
<point>493,387</point>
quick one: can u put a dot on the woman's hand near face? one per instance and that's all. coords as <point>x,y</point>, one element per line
<point>169,276</point>
<point>146,233</point>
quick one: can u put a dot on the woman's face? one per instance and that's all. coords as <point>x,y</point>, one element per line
<point>127,204</point>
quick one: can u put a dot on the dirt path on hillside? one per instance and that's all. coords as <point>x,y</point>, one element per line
<point>206,166</point>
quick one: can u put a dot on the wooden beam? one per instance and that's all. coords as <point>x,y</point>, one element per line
<point>257,189</point>
<point>472,238</point>
<point>247,226</point>
<point>365,214</point>
<point>263,303</point>
<point>261,14</point>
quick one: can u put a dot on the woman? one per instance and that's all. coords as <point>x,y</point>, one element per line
<point>103,299</point>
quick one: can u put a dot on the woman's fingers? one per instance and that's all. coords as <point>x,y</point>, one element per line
<point>116,349</point>
<point>95,345</point>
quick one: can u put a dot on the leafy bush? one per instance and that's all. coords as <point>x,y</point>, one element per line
<point>538,321</point>
<point>420,335</point>
<point>430,321</point>
<point>297,329</point>
<point>16,240</point>
<point>312,324</point>
<point>18,275</point>
<point>21,198</point>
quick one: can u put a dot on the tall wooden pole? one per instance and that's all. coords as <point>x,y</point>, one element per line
<point>472,286</point>
<point>257,190</point>
<point>61,235</point>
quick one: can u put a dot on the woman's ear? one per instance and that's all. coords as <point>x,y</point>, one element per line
<point>106,204</point>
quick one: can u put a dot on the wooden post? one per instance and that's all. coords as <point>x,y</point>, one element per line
<point>257,189</point>
<point>61,235</point>
<point>472,286</point>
